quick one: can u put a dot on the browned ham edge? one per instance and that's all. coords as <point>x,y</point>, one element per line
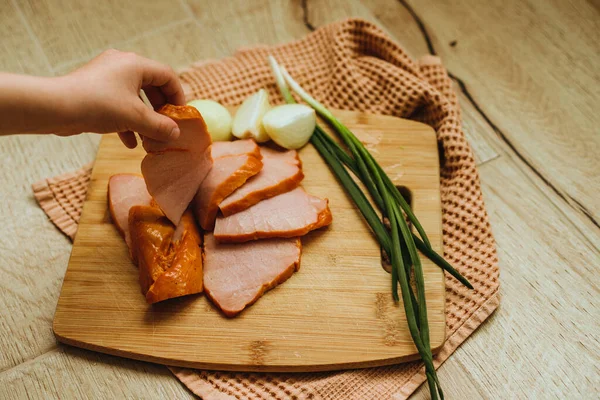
<point>234,163</point>
<point>167,268</point>
<point>281,173</point>
<point>226,175</point>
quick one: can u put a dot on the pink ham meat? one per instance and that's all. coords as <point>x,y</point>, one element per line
<point>239,147</point>
<point>124,192</point>
<point>234,163</point>
<point>174,170</point>
<point>226,175</point>
<point>281,173</point>
<point>235,276</point>
<point>290,214</point>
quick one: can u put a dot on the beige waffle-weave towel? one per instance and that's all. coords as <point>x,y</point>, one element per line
<point>349,65</point>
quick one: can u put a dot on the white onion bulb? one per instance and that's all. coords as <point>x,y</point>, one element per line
<point>217,118</point>
<point>290,125</point>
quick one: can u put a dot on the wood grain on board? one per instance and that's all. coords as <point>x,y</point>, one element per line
<point>336,312</point>
<point>543,41</point>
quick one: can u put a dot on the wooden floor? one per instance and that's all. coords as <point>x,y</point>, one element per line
<point>528,76</point>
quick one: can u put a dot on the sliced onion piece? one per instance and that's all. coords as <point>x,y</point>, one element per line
<point>247,122</point>
<point>290,125</point>
<point>217,118</point>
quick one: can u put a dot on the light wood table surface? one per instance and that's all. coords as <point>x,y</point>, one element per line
<point>528,77</point>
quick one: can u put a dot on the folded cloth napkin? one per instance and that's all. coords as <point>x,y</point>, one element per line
<point>351,65</point>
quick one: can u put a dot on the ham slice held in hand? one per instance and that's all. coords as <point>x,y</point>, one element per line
<point>124,192</point>
<point>235,276</point>
<point>234,163</point>
<point>290,214</point>
<point>168,267</point>
<point>174,170</point>
<point>281,173</point>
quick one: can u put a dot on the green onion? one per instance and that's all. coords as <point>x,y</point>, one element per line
<point>399,242</point>
<point>407,268</point>
<point>441,262</point>
<point>428,251</point>
<point>351,165</point>
<point>352,142</point>
<point>354,191</point>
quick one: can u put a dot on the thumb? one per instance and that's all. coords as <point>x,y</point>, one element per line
<point>149,123</point>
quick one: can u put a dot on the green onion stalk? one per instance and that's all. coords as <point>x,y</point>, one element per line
<point>422,243</point>
<point>399,243</point>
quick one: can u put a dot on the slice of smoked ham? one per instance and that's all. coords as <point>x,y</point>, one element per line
<point>281,173</point>
<point>226,175</point>
<point>174,170</point>
<point>290,214</point>
<point>124,192</point>
<point>167,268</point>
<point>173,178</point>
<point>236,275</point>
<point>234,163</point>
<point>236,148</point>
<point>193,134</point>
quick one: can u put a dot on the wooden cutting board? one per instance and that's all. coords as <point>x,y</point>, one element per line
<point>336,312</point>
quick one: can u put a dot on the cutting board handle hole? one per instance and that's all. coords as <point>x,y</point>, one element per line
<point>407,194</point>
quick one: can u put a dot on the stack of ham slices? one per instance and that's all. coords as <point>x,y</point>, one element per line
<point>224,217</point>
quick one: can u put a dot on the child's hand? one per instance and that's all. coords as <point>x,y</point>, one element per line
<point>106,98</point>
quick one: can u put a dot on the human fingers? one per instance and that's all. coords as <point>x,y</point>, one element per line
<point>155,96</point>
<point>148,122</point>
<point>163,77</point>
<point>128,138</point>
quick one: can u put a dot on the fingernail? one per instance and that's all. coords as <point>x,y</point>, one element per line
<point>174,133</point>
